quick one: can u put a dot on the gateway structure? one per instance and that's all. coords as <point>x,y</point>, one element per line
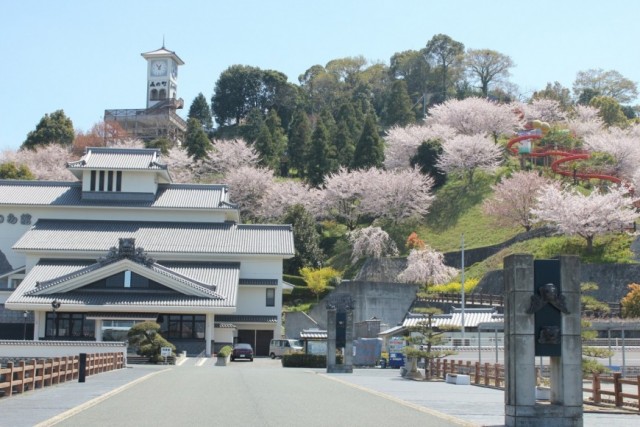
<point>87,259</point>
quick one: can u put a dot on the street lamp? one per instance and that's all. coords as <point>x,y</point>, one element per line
<point>24,330</point>
<point>55,304</point>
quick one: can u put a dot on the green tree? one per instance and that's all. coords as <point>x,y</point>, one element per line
<point>487,66</point>
<point>146,337</point>
<point>345,144</point>
<point>631,302</point>
<point>299,141</point>
<point>610,111</point>
<point>250,129</point>
<point>596,308</point>
<point>265,146</point>
<point>162,143</point>
<point>398,108</point>
<point>306,240</point>
<point>200,110</point>
<point>605,83</point>
<point>10,170</point>
<point>318,279</point>
<point>370,147</point>
<point>236,92</point>
<point>412,67</point>
<point>555,92</point>
<point>427,158</point>
<point>279,161</point>
<point>445,55</point>
<point>196,141</point>
<point>54,128</point>
<point>319,159</point>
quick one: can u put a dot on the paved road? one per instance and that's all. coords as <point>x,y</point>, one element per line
<point>262,393</point>
<point>249,394</point>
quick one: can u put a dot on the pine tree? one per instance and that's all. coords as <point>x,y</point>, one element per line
<point>370,148</point>
<point>196,141</point>
<point>265,146</point>
<point>200,110</point>
<point>279,161</point>
<point>318,163</point>
<point>55,128</point>
<point>299,141</point>
<point>345,145</point>
<point>398,109</point>
<point>252,126</point>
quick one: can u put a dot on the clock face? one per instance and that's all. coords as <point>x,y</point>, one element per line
<point>158,68</point>
<point>174,70</point>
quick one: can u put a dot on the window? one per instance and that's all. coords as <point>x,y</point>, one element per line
<point>119,181</point>
<point>93,180</point>
<point>182,326</point>
<point>271,297</point>
<point>14,281</point>
<point>154,94</point>
<point>101,181</point>
<point>110,181</point>
<point>163,94</point>
<point>69,325</point>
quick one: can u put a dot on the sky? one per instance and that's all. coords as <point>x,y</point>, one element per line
<point>84,57</point>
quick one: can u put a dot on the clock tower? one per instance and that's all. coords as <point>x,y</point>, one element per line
<point>162,77</point>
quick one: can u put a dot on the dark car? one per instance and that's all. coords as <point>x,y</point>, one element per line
<point>242,351</point>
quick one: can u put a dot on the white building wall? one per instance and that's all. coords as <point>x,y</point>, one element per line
<point>139,182</point>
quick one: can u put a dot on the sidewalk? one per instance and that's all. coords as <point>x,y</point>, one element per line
<point>41,407</point>
<point>472,404</point>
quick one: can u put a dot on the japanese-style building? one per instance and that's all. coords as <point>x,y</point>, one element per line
<point>85,260</point>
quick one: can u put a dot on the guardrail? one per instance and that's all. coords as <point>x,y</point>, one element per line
<point>23,376</point>
<point>492,375</point>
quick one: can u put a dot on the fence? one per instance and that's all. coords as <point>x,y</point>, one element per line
<point>492,375</point>
<point>597,392</point>
<point>35,374</point>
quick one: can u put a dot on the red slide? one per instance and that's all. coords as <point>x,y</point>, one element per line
<point>563,158</point>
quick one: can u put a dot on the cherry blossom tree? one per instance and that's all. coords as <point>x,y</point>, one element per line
<point>180,165</point>
<point>284,194</point>
<point>46,162</point>
<point>226,155</point>
<point>343,193</point>
<point>398,195</point>
<point>371,242</point>
<point>426,266</point>
<point>472,116</point>
<point>543,109</point>
<point>513,199</point>
<point>465,154</point>
<point>402,142</point>
<point>247,188</point>
<point>621,144</point>
<point>585,121</point>
<point>576,214</point>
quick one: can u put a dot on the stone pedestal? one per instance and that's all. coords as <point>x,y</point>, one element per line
<point>347,357</point>
<point>565,406</point>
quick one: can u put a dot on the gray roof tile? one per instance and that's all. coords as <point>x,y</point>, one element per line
<point>159,237</point>
<point>224,276</point>
<point>244,318</point>
<point>49,193</point>
<point>119,158</point>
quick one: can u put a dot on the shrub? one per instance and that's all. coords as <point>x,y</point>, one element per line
<point>225,351</point>
<point>306,361</point>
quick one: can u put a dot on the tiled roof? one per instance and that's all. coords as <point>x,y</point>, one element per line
<point>119,158</point>
<point>224,276</point>
<point>163,52</point>
<point>241,318</point>
<point>50,193</point>
<point>259,282</point>
<point>472,317</point>
<point>313,334</point>
<point>159,237</point>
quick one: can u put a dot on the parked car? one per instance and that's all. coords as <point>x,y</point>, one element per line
<point>242,351</point>
<point>278,348</point>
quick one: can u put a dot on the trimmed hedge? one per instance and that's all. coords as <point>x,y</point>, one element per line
<point>294,280</point>
<point>306,361</point>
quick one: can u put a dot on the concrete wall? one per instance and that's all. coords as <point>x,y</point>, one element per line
<point>46,349</point>
<point>295,322</point>
<point>388,302</point>
<point>612,280</point>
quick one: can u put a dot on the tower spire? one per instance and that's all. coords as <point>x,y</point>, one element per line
<point>163,41</point>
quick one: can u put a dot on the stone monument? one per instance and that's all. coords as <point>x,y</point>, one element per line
<point>542,318</point>
<point>340,332</point>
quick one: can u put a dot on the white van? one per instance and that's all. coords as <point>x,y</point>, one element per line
<point>278,348</point>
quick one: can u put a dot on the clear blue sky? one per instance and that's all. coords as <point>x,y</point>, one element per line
<point>84,56</point>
